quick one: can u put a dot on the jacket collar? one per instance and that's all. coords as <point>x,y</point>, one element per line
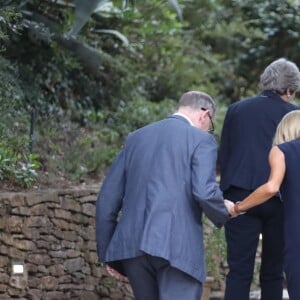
<point>182,118</point>
<point>185,117</point>
<point>271,94</point>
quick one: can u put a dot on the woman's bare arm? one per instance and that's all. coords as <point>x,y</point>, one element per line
<point>271,187</point>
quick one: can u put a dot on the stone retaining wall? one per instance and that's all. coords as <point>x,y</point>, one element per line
<point>52,234</point>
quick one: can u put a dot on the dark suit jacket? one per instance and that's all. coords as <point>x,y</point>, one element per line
<point>161,182</point>
<point>247,136</point>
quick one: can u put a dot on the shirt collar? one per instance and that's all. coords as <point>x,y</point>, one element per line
<point>184,116</point>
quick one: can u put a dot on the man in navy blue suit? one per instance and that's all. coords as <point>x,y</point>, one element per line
<point>247,136</point>
<point>149,209</point>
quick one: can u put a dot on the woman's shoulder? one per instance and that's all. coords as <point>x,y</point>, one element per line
<point>294,144</point>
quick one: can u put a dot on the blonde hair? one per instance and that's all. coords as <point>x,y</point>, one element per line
<point>288,128</point>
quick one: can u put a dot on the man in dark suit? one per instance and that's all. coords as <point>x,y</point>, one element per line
<point>161,182</point>
<point>247,135</point>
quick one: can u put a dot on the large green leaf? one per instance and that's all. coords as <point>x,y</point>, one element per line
<point>83,11</point>
<point>174,4</point>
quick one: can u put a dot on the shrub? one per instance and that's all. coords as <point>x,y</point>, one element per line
<point>16,165</point>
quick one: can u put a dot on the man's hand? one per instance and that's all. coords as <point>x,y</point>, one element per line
<point>230,207</point>
<point>112,272</point>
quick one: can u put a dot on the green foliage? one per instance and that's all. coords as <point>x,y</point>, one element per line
<point>9,23</point>
<point>89,156</point>
<point>15,164</point>
<point>11,99</point>
<point>7,159</point>
<point>25,172</point>
<point>165,66</point>
<point>215,249</point>
<point>137,113</point>
<point>244,37</point>
<point>82,117</point>
<point>20,169</point>
<point>79,153</point>
<point>74,153</point>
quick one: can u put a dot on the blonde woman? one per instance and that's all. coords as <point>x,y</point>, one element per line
<point>284,159</point>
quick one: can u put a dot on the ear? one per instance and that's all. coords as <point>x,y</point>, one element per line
<point>202,116</point>
<point>288,95</point>
<point>203,113</point>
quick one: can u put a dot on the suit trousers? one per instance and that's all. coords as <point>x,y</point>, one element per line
<point>242,236</point>
<point>153,278</point>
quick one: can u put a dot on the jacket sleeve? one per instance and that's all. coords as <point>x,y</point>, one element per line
<point>205,188</point>
<point>109,203</point>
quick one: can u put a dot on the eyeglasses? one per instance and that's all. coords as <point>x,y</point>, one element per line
<point>212,126</point>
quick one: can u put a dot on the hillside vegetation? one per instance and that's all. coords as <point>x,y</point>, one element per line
<point>78,76</point>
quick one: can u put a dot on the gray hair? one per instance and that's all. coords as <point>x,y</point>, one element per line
<point>197,100</point>
<point>279,76</point>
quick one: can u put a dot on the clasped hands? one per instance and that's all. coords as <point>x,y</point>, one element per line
<point>232,208</point>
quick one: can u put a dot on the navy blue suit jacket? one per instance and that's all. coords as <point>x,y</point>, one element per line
<point>247,136</point>
<point>160,183</point>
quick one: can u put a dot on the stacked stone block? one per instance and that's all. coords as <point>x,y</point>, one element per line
<point>52,233</point>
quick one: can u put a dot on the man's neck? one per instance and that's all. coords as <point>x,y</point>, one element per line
<point>184,116</point>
